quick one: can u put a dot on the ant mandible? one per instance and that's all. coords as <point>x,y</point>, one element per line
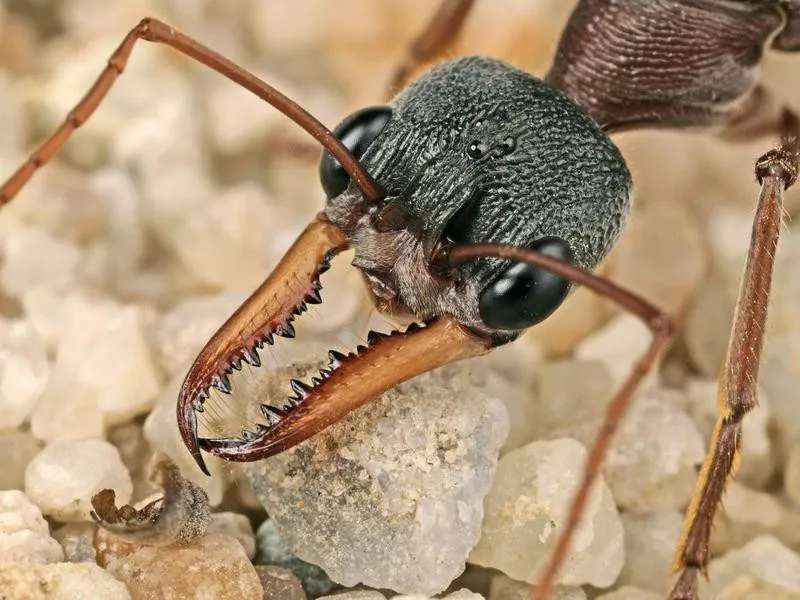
<point>480,195</point>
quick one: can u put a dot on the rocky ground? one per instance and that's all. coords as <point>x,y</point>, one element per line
<point>122,257</point>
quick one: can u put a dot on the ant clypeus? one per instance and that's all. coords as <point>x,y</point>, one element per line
<point>481,194</point>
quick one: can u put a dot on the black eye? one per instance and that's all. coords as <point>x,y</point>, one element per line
<point>525,295</point>
<point>356,132</point>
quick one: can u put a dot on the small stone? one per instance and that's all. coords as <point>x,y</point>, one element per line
<point>391,495</point>
<point>791,476</point>
<point>63,477</point>
<point>237,526</point>
<point>356,595</point>
<point>161,431</point>
<point>628,592</point>
<point>17,449</point>
<point>763,560</point>
<point>569,393</point>
<point>33,258</point>
<point>63,581</point>
<point>273,551</point>
<point>24,534</point>
<point>618,345</point>
<point>77,540</point>
<point>281,584</point>
<point>24,372</point>
<point>650,541</point>
<point>661,255</point>
<point>103,363</point>
<point>746,514</point>
<point>505,588</point>
<point>227,244</point>
<point>184,330</point>
<point>653,460</point>
<point>136,455</point>
<point>757,464</point>
<point>527,508</point>
<point>213,566</point>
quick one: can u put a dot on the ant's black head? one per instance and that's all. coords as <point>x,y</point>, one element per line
<point>474,152</point>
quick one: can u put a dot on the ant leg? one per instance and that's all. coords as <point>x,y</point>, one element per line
<point>153,30</point>
<point>659,324</point>
<point>438,34</point>
<point>776,171</point>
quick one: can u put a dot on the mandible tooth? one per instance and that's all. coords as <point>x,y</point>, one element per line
<point>271,414</point>
<point>300,388</point>
<point>222,383</point>
<point>313,297</point>
<point>253,358</point>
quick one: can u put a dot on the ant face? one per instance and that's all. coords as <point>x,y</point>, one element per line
<point>511,161</point>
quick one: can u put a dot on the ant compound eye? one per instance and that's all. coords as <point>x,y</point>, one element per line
<point>525,294</point>
<point>356,132</point>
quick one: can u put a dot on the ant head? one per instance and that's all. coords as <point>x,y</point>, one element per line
<point>478,152</point>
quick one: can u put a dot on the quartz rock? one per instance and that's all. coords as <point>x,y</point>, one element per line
<point>228,244</point>
<point>630,593</point>
<point>273,551</point>
<point>763,560</point>
<point>136,455</point>
<point>505,588</point>
<point>391,495</point>
<point>64,476</point>
<point>356,595</point>
<point>161,431</point>
<point>569,394</point>
<point>240,122</point>
<point>184,330</point>
<point>213,566</point>
<point>661,255</point>
<point>527,508</point>
<point>237,526</point>
<point>651,465</point>
<point>102,356</point>
<point>457,595</point>
<point>63,581</point>
<point>77,540</point>
<point>618,345</point>
<point>72,78</point>
<point>791,476</point>
<point>746,514</point>
<point>24,372</point>
<point>33,258</point>
<point>757,461</point>
<point>24,535</point>
<point>17,449</point>
<point>650,541</point>
<point>281,584</point>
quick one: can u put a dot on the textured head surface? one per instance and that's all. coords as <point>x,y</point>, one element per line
<point>479,151</point>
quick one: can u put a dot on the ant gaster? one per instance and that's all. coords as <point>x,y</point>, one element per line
<point>480,195</point>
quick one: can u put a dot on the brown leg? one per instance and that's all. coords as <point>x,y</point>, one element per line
<point>659,324</point>
<point>776,171</point>
<point>153,30</point>
<point>440,32</point>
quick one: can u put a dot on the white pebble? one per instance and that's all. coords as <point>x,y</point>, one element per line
<point>24,372</point>
<point>526,511</point>
<point>618,345</point>
<point>62,479</point>
<point>33,258</point>
<point>24,534</point>
<point>764,560</point>
<point>63,581</point>
<point>650,541</point>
